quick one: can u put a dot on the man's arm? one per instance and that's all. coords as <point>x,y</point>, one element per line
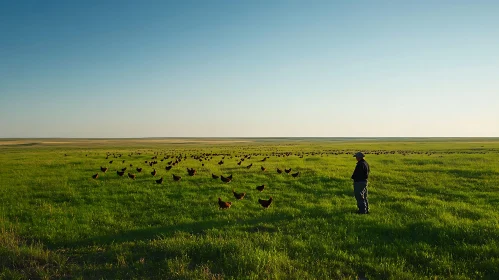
<point>367,170</point>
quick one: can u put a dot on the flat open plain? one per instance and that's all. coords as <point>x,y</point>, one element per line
<point>434,209</point>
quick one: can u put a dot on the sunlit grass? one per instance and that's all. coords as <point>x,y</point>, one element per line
<point>434,212</point>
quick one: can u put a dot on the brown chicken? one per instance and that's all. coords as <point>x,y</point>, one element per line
<point>214,176</point>
<point>191,171</point>
<point>221,162</point>
<point>260,188</point>
<point>123,169</point>
<point>287,170</point>
<point>132,176</point>
<point>225,179</point>
<point>265,203</point>
<point>168,167</point>
<point>120,173</point>
<point>153,173</point>
<point>249,166</point>
<point>103,169</point>
<point>176,178</point>
<point>295,174</point>
<point>95,176</point>
<point>223,204</point>
<point>279,171</point>
<point>263,168</point>
<point>139,169</point>
<point>159,181</point>
<point>111,162</point>
<point>238,195</point>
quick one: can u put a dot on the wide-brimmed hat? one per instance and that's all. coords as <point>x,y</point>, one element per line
<point>359,154</point>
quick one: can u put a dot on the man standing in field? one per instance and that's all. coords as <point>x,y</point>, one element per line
<point>359,176</point>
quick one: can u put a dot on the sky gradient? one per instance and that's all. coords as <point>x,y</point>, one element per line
<point>249,68</point>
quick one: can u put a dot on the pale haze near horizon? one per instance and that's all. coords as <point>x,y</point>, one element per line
<point>249,69</point>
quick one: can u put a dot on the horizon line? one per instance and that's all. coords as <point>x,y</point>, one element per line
<point>254,137</point>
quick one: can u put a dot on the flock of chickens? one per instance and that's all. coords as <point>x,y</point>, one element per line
<point>265,203</point>
<point>227,179</point>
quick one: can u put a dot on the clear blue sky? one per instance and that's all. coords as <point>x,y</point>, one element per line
<point>249,68</point>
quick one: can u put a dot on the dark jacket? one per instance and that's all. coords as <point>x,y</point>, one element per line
<point>361,172</point>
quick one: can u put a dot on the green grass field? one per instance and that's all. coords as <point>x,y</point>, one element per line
<point>434,210</point>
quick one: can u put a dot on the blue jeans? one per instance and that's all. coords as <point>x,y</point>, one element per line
<point>360,192</point>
